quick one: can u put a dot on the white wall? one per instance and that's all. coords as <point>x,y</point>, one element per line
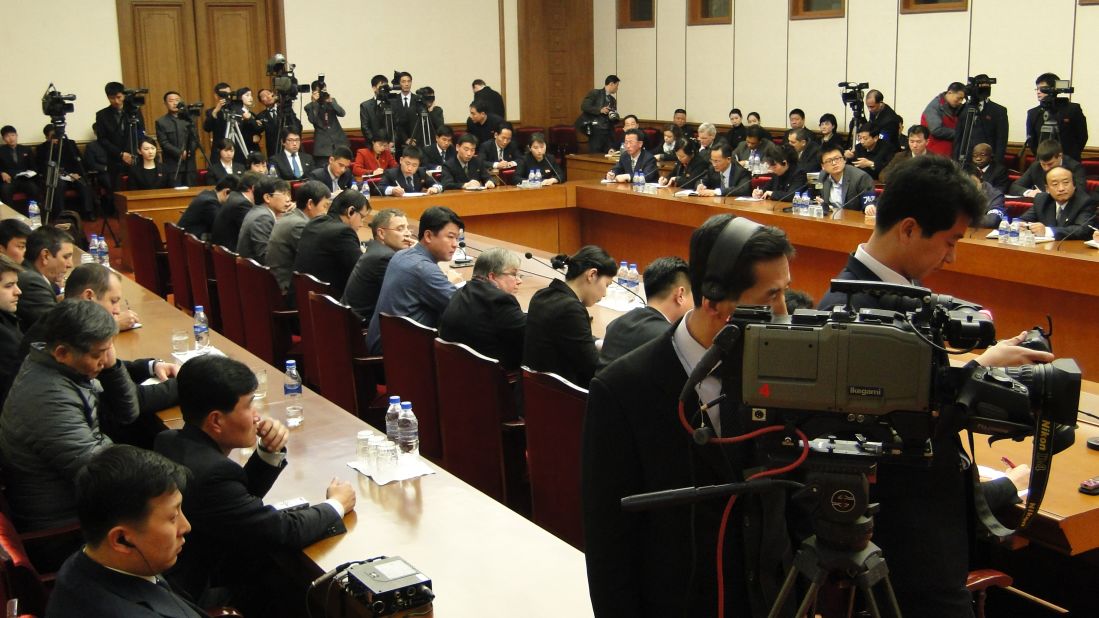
<point>75,44</point>
<point>767,63</point>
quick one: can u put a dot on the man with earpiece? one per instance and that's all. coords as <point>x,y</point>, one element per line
<point>662,562</point>
<point>130,506</point>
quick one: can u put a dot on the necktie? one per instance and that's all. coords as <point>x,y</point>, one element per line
<point>408,180</point>
<point>465,170</point>
<point>296,166</point>
<point>499,154</point>
<point>724,181</point>
<point>406,101</point>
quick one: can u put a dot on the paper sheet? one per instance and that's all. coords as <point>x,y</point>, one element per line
<point>407,468</point>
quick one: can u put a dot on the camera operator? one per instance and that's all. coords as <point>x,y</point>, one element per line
<point>372,112</point>
<point>884,120</point>
<point>662,562</point>
<point>249,130</point>
<point>324,114</point>
<point>1068,117</point>
<point>72,174</point>
<point>269,121</point>
<point>924,521</point>
<point>941,118</point>
<point>989,121</point>
<point>423,133</point>
<point>113,130</point>
<point>214,120</point>
<point>173,131</point>
<point>598,115</point>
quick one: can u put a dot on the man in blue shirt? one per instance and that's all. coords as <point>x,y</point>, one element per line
<point>414,285</point>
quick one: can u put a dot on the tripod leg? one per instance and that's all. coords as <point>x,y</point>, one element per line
<point>784,592</point>
<point>890,596</point>
<point>871,602</point>
<point>808,600</point>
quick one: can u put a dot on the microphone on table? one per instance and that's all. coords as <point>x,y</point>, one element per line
<point>1085,224</point>
<point>687,183</point>
<point>530,256</point>
<point>736,188</point>
<point>849,202</point>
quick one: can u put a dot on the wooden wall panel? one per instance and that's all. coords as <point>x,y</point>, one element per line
<point>158,50</point>
<point>556,56</point>
<point>233,43</point>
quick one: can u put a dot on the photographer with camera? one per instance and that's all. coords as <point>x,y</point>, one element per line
<point>598,115</point>
<point>175,132</point>
<point>1056,117</point>
<point>885,121</point>
<point>119,127</point>
<point>372,112</point>
<point>981,121</point>
<point>663,562</point>
<point>324,114</point>
<point>426,117</point>
<point>924,522</point>
<point>214,121</point>
<point>272,120</point>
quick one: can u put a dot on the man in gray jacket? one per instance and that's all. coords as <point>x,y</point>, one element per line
<point>50,424</point>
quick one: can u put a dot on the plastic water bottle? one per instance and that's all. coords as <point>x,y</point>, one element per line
<point>538,177</point>
<point>104,253</point>
<point>1004,230</point>
<point>802,203</point>
<point>291,391</point>
<point>620,278</point>
<point>202,328</point>
<point>408,431</point>
<point>815,210</point>
<point>354,186</point>
<point>1013,238</point>
<point>530,178</point>
<point>271,171</point>
<point>638,182</point>
<point>34,215</point>
<point>1028,239</point>
<point>391,415</point>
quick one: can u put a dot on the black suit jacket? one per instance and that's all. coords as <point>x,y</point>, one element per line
<point>432,157</point>
<point>549,166</point>
<point>783,187</point>
<point>486,319</point>
<point>631,331</point>
<point>662,562</point>
<point>996,175</point>
<point>224,503</point>
<point>484,132</point>
<point>692,174</point>
<point>286,171</point>
<point>1035,176</point>
<point>881,156</point>
<point>646,163</point>
<point>228,220</point>
<point>490,154</point>
<point>924,520</point>
<point>990,127</point>
<point>421,180</point>
<point>886,122</point>
<point>365,282</point>
<point>268,121</point>
<point>10,359</point>
<point>454,177</point>
<point>328,250</point>
<point>492,101</point>
<point>19,159</point>
<point>558,337</point>
<point>322,174</point>
<point>1074,219</point>
<point>71,161</point>
<point>216,171</point>
<point>809,159</point>
<point>39,296</point>
<point>114,134</point>
<point>740,181</point>
<point>199,217</point>
<point>86,588</point>
<point>1071,123</point>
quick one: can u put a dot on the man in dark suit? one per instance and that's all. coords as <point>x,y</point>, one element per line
<point>726,178</point>
<point>484,314</point>
<point>1063,116</point>
<point>336,175</point>
<point>276,121</point>
<point>500,152</point>
<point>807,149</point>
<point>1063,212</point>
<point>233,529</point>
<point>667,299</point>
<point>885,122</point>
<point>493,102</point>
<point>371,113</point>
<point>229,218</point>
<point>442,150</point>
<point>290,162</point>
<point>1050,155</point>
<point>662,562</point>
<point>324,114</point>
<point>634,158</point>
<point>756,144</point>
<point>482,124</point>
<point>841,184</point>
<point>990,124</point>
<point>14,160</point>
<point>992,170</point>
<point>201,213</point>
<point>922,527</point>
<point>115,132</point>
<point>598,113</point>
<point>872,154</point>
<point>466,170</point>
<point>391,234</point>
<point>408,177</point>
<point>329,245</point>
<point>129,503</point>
<point>49,257</point>
<point>174,131</point>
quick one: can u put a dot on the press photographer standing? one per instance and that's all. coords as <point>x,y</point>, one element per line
<point>1065,119</point>
<point>324,114</point>
<point>173,131</point>
<point>118,130</point>
<point>599,113</point>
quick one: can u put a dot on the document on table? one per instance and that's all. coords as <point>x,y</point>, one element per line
<point>745,198</point>
<point>995,234</point>
<point>1091,243</point>
<point>991,474</point>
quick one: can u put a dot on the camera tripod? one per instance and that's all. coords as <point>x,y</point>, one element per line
<point>233,132</point>
<point>194,144</point>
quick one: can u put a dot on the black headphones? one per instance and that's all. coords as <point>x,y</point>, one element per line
<point>724,255</point>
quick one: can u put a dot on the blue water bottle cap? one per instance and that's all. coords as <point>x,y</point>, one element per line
<point>198,308</point>
<point>291,364</point>
<point>406,405</point>
<point>395,400</point>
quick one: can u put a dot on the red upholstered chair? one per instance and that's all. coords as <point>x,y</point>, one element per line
<point>200,269</point>
<point>1011,160</point>
<point>228,294</point>
<point>304,285</point>
<point>307,144</point>
<point>177,266</point>
<point>475,401</point>
<point>410,374</point>
<point>554,413</point>
<point>523,134</point>
<point>348,375</point>
<point>267,329</point>
<point>652,137</point>
<point>1092,185</point>
<point>150,258</point>
<point>1091,167</point>
<point>202,176</point>
<point>759,181</point>
<point>356,142</point>
<point>619,137</point>
<point>1016,208</point>
<point>22,580</point>
<point>562,141</point>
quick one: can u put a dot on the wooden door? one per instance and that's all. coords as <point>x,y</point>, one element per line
<point>556,52</point>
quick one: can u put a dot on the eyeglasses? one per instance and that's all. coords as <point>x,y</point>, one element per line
<point>513,273</point>
<point>401,228</point>
<point>832,160</point>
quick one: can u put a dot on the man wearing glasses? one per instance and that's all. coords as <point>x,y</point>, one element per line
<point>272,202</point>
<point>290,162</point>
<point>391,233</point>
<point>841,183</point>
<point>485,314</point>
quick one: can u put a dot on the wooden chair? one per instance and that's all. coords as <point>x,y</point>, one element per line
<point>150,258</point>
<point>475,401</point>
<point>304,285</point>
<point>200,270</point>
<point>267,331</point>
<point>22,579</point>
<point>554,413</point>
<point>228,294</point>
<point>348,375</point>
<point>177,266</point>
<point>410,374</point>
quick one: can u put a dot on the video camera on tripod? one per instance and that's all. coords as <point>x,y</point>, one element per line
<point>853,97</point>
<point>283,81</point>
<point>1061,86</point>
<point>978,88</point>
<point>134,99</point>
<point>57,105</point>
